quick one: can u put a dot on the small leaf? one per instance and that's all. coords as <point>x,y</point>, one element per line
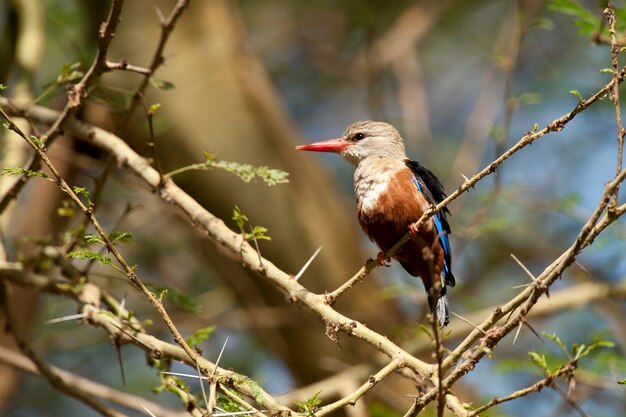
<point>88,255</point>
<point>69,72</point>
<point>154,107</point>
<point>199,336</point>
<point>558,341</point>
<point>540,360</point>
<point>93,238</point>
<point>535,128</point>
<point>84,192</point>
<point>529,98</point>
<point>23,171</point>
<point>605,70</point>
<point>240,219</point>
<point>258,233</point>
<point>122,237</point>
<point>622,382</point>
<point>162,84</point>
<point>309,406</point>
<point>577,94</point>
<point>181,300</point>
<point>40,142</point>
<point>2,87</point>
<point>66,209</point>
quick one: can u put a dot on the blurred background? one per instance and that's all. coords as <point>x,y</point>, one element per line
<point>247,81</point>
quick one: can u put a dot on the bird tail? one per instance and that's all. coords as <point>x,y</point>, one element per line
<point>438,302</point>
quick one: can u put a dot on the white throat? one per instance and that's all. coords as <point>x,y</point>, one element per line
<point>371,179</point>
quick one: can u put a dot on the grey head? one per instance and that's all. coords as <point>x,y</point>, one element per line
<point>373,140</point>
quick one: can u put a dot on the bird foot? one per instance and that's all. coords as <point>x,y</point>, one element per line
<point>413,229</point>
<point>382,259</point>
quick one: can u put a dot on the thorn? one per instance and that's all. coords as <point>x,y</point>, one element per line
<point>581,266</point>
<point>306,265</point>
<point>122,305</point>
<point>146,409</point>
<point>465,178</point>
<point>517,331</point>
<point>524,267</point>
<point>159,14</point>
<point>185,375</point>
<point>468,322</point>
<point>65,318</point>
<point>217,362</point>
<point>533,330</point>
<point>206,402</point>
<point>256,245</point>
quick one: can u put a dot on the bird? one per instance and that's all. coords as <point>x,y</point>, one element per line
<point>393,192</point>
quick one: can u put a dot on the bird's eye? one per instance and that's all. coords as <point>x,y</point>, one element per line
<point>359,136</point>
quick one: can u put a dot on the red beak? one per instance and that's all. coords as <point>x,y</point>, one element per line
<point>331,145</point>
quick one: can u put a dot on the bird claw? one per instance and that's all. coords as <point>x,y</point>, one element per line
<point>382,259</point>
<point>413,229</point>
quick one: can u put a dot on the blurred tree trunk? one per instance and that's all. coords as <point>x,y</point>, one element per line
<point>224,102</point>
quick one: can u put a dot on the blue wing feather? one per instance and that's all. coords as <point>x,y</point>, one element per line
<point>432,189</point>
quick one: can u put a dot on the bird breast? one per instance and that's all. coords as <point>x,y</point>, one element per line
<point>387,201</point>
<point>373,179</point>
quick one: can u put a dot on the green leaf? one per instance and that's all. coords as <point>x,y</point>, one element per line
<point>605,70</point>
<point>309,406</point>
<point>40,142</point>
<point>580,351</point>
<point>228,404</point>
<point>540,360</point>
<point>2,87</point>
<point>84,192</point>
<point>23,171</point>
<point>181,300</point>
<point>240,219</point>
<point>245,172</point>
<point>535,128</point>
<point>69,72</point>
<point>587,22</point>
<point>199,336</point>
<point>258,233</point>
<point>577,94</point>
<point>162,84</point>
<point>529,98</point>
<point>558,341</point>
<point>93,238</point>
<point>622,382</point>
<point>122,237</point>
<point>66,209</point>
<point>154,107</point>
<point>88,255</point>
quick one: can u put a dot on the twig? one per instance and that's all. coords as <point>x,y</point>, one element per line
<point>390,368</point>
<point>87,386</point>
<point>49,373</point>
<point>74,95</point>
<point>569,400</point>
<point>125,66</point>
<point>536,387</point>
<point>609,12</point>
<point>167,26</point>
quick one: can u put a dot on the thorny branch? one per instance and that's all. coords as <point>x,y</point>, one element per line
<point>566,369</point>
<point>51,374</point>
<point>75,94</point>
<point>615,48</point>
